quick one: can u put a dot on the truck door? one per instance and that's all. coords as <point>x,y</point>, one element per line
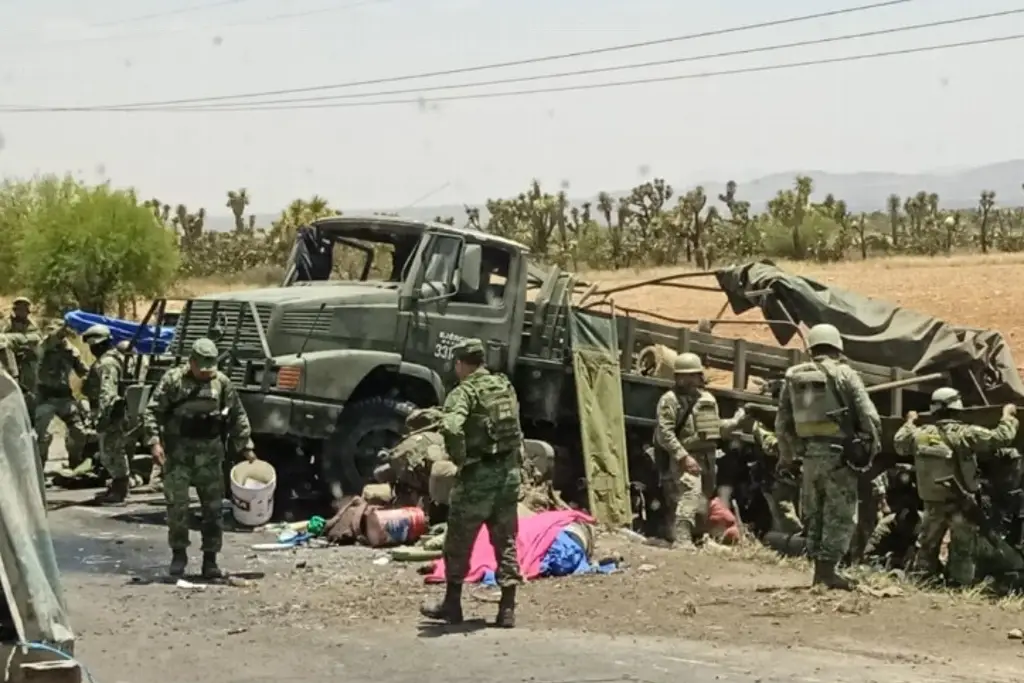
<point>449,304</point>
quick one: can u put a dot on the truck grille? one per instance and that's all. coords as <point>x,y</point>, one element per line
<point>239,330</point>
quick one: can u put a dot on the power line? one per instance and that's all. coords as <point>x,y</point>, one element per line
<point>168,13</point>
<point>609,69</point>
<point>523,62</point>
<point>540,91</point>
<point>285,16</point>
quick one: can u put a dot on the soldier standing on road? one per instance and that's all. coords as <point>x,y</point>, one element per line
<point>950,448</point>
<point>686,444</point>
<point>193,416</point>
<point>484,439</point>
<point>807,427</point>
<point>107,408</point>
<point>59,358</point>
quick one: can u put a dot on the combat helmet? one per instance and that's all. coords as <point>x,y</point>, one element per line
<point>687,364</point>
<point>96,334</point>
<point>824,335</point>
<point>947,398</point>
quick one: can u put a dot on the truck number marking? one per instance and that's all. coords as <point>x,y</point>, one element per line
<point>445,342</point>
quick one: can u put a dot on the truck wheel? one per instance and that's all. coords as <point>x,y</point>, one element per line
<point>350,455</point>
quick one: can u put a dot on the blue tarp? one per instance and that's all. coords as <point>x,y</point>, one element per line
<point>123,330</point>
<point>565,557</point>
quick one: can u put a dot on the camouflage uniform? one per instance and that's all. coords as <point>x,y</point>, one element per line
<point>785,491</point>
<point>59,358</point>
<point>808,428</point>
<point>191,417</point>
<point>675,439</point>
<point>409,464</point>
<point>485,441</point>
<point>107,408</point>
<point>949,448</point>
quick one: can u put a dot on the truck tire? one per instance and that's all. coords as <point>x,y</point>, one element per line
<point>366,427</point>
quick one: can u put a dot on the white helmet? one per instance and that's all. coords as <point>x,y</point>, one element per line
<point>824,335</point>
<point>687,364</point>
<point>96,334</point>
<point>948,398</point>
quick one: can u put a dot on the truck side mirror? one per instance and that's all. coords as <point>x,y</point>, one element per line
<point>469,268</point>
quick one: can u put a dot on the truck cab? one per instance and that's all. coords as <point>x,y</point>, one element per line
<point>359,335</point>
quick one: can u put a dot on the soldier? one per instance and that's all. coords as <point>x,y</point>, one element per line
<point>809,427</point>
<point>950,448</point>
<point>60,358</point>
<point>686,445</point>
<point>193,411</point>
<point>107,409</point>
<point>485,441</point>
<point>409,463</point>
<point>20,320</point>
<point>785,489</point>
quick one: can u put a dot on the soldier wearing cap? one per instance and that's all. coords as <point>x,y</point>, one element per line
<point>193,418</point>
<point>20,320</point>
<point>685,445</point>
<point>484,440</point>
<point>107,412</point>
<point>58,359</point>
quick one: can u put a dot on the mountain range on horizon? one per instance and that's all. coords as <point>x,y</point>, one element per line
<point>862,191</point>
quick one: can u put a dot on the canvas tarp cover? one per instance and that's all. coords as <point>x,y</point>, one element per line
<point>31,581</point>
<point>876,331</point>
<point>595,361</point>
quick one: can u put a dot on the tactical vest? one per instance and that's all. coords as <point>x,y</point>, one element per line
<point>500,411</point>
<point>935,459</point>
<point>704,425</point>
<point>203,415</point>
<point>813,396</point>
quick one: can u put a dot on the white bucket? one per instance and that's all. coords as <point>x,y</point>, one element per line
<point>252,492</point>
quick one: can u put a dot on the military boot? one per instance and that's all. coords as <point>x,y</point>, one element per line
<point>816,579</point>
<point>210,569</point>
<point>448,609</point>
<point>179,560</point>
<point>507,608</point>
<point>833,580</point>
<point>116,495</point>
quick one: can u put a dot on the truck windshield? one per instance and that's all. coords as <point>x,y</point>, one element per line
<point>320,257</point>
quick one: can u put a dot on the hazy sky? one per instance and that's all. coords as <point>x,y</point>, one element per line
<point>909,113</point>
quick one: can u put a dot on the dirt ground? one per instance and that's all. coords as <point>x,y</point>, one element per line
<point>685,614</point>
<point>708,615</point>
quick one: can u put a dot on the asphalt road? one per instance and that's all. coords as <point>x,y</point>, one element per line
<point>132,630</point>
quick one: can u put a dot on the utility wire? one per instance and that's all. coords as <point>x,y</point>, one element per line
<point>607,69</point>
<point>538,91</point>
<point>523,62</point>
<point>168,13</point>
<point>352,4</point>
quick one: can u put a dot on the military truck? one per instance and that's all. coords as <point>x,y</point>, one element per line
<point>361,330</point>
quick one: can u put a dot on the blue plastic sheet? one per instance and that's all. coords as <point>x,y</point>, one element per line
<point>149,341</point>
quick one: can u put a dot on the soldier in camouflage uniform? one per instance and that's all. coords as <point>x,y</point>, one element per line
<point>58,359</point>
<point>409,464</point>
<point>193,416</point>
<point>24,337</point>
<point>808,428</point>
<point>20,320</point>
<point>686,446</point>
<point>485,440</point>
<point>950,448</point>
<point>107,412</point>
<point>784,494</point>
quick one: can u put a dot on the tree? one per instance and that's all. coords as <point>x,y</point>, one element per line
<point>238,202</point>
<point>92,246</point>
<point>986,204</point>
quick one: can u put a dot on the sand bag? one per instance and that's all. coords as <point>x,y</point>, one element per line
<point>656,361</point>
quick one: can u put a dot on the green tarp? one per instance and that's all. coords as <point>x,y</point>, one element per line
<point>595,360</point>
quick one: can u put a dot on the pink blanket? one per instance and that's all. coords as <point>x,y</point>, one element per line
<point>536,534</point>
